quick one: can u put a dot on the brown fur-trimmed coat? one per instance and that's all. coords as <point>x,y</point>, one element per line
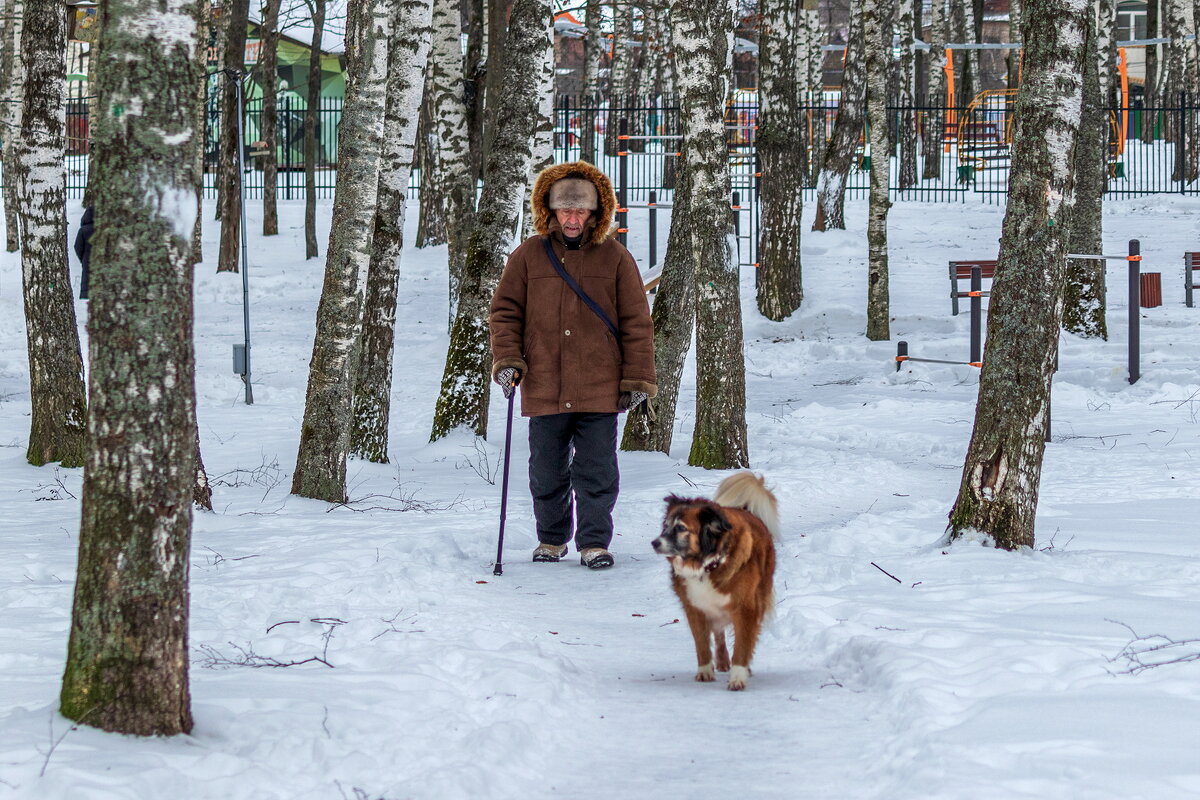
<point>569,361</point>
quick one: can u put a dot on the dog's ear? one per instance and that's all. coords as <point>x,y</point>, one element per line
<point>673,500</point>
<point>713,526</point>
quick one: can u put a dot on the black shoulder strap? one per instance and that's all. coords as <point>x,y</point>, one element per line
<point>575,287</point>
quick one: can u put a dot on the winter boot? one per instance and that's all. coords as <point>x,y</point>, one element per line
<point>549,552</point>
<point>596,558</point>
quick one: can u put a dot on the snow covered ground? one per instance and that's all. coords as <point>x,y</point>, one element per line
<point>894,667</point>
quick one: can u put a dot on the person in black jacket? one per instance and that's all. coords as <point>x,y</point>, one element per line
<point>83,246</point>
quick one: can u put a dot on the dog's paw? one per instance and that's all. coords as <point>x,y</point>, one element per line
<point>723,664</point>
<point>706,673</point>
<point>737,678</point>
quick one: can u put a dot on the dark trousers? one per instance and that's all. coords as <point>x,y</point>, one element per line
<point>573,468</point>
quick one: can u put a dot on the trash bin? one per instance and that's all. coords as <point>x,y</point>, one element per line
<point>1151,289</point>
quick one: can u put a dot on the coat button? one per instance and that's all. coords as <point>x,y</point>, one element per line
<point>568,405</point>
<point>567,333</point>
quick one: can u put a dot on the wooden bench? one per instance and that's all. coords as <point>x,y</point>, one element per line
<point>1191,261</point>
<point>651,278</point>
<point>961,271</point>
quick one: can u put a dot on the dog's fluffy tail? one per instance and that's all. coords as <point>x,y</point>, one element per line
<point>747,490</point>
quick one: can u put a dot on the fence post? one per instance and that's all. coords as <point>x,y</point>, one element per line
<point>283,134</point>
<point>1181,146</point>
<point>652,226</point>
<point>1135,309</point>
<point>564,123</point>
<point>976,314</point>
<point>734,209</point>
<point>622,180</point>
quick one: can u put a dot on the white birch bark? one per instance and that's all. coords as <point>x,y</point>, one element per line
<point>877,35</point>
<point>906,95</point>
<point>839,153</point>
<point>593,50</point>
<point>962,31</point>
<point>311,145</point>
<point>409,52</point>
<point>268,79</point>
<point>1002,471</point>
<point>59,404</point>
<point>935,120</point>
<point>810,90</point>
<point>702,39</point>
<point>127,661</point>
<point>1174,81</point>
<point>1084,291</point>
<point>229,177</point>
<point>452,135</point>
<point>10,114</point>
<point>782,164</point>
<point>620,76</point>
<point>1152,85</point>
<point>542,154</point>
<point>325,434</point>
<point>463,398</point>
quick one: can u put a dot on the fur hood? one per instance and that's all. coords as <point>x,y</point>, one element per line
<point>543,218</point>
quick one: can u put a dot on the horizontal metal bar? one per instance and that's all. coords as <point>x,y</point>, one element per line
<point>937,361</point>
<point>1086,257</point>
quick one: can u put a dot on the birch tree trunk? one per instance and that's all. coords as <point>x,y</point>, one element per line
<point>702,33</point>
<point>464,394</point>
<point>674,307</point>
<point>839,155</point>
<point>405,86</point>
<point>963,31</point>
<point>269,81</point>
<point>1151,95</point>
<point>674,315</point>
<point>1015,15</point>
<point>593,50</point>
<point>906,98</point>
<point>936,97</point>
<point>452,133</point>
<point>127,661</point>
<point>328,404</point>
<point>542,154</point>
<point>229,176</point>
<point>1173,82</point>
<point>59,419</point>
<point>877,34</point>
<point>1191,92</point>
<point>200,123</point>
<point>999,491</point>
<point>782,163</point>
<point>312,106</point>
<point>1084,292</point>
<point>431,219</point>
<point>620,75</point>
<point>810,70</point>
<point>14,90</point>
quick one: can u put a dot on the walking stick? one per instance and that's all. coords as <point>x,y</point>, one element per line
<point>499,570</point>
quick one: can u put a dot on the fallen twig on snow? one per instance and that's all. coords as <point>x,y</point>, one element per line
<point>1156,650</point>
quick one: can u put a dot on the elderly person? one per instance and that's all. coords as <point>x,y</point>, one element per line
<point>578,363</point>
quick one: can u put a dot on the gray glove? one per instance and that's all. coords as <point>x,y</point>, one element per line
<point>630,400</point>
<point>508,379</point>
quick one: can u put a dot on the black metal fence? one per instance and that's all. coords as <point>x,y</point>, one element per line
<point>289,150</point>
<point>959,153</point>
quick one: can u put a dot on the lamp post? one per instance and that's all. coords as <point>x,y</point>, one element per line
<point>241,353</point>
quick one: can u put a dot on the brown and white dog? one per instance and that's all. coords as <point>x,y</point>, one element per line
<point>722,556</point>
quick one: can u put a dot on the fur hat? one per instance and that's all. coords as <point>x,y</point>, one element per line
<point>552,176</point>
<point>573,193</point>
